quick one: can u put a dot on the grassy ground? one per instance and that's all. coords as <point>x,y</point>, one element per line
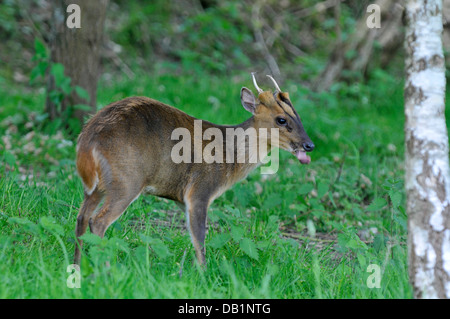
<point>306,232</point>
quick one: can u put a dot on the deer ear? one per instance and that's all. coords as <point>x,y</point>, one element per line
<point>248,100</point>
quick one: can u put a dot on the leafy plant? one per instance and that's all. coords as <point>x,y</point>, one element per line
<point>234,228</point>
<point>62,90</point>
<point>296,234</point>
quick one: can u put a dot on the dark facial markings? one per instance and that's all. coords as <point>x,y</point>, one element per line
<point>296,119</point>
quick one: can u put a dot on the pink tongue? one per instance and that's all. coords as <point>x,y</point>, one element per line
<point>303,158</point>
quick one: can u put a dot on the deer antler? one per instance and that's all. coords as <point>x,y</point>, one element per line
<point>256,84</point>
<point>274,82</point>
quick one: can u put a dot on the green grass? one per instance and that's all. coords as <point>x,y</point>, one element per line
<point>302,233</point>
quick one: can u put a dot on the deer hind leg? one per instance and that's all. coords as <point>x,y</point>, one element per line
<point>116,202</point>
<point>90,203</point>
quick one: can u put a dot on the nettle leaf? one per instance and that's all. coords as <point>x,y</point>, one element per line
<point>40,50</point>
<point>235,211</point>
<point>161,249</point>
<point>51,225</point>
<point>305,188</point>
<point>401,220</point>
<point>396,198</point>
<point>91,238</point>
<point>82,93</point>
<point>57,71</point>
<point>146,239</point>
<point>213,216</point>
<point>342,241</point>
<point>362,260</point>
<point>377,204</point>
<point>264,244</point>
<point>219,215</point>
<point>141,254</point>
<point>235,214</point>
<point>350,240</point>
<point>243,195</point>
<point>322,189</point>
<point>249,248</point>
<point>157,245</point>
<point>237,232</point>
<point>219,240</point>
<point>271,201</point>
<point>273,223</point>
<point>119,244</point>
<point>379,242</point>
<point>25,224</point>
<point>65,85</point>
<point>38,70</point>
<point>352,244</point>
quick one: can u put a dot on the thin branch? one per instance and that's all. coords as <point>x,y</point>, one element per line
<point>271,62</point>
<point>341,167</point>
<point>318,7</point>
<point>108,52</point>
<point>287,45</point>
<point>180,273</point>
<point>296,236</point>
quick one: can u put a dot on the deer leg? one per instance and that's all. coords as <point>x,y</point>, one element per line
<point>90,203</point>
<point>115,204</point>
<point>196,212</point>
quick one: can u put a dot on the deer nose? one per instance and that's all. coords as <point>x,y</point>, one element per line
<point>309,146</point>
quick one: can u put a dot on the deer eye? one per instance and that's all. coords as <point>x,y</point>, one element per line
<point>281,121</point>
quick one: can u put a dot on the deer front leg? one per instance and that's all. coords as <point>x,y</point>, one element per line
<point>196,211</point>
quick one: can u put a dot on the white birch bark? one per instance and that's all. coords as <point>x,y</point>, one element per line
<point>427,178</point>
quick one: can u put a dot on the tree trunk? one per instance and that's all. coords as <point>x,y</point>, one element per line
<point>78,49</point>
<point>427,164</point>
<point>446,33</point>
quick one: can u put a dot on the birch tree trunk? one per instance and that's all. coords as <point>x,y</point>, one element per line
<point>427,163</point>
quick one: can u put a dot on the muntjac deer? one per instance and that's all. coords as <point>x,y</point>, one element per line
<point>127,149</point>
